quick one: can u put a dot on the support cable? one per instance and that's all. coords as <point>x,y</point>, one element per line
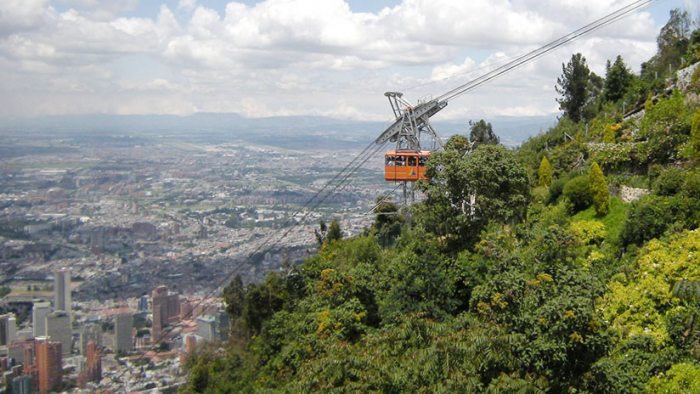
<point>521,60</point>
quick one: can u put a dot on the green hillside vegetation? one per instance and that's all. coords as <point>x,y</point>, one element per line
<point>519,272</point>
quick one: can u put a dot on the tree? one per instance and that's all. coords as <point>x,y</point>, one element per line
<point>334,232</point>
<point>321,232</point>
<point>482,134</point>
<point>618,79</point>
<point>573,86</point>
<point>601,194</point>
<point>459,143</point>
<point>465,193</point>
<point>609,134</point>
<point>387,225</point>
<point>673,41</point>
<point>234,298</point>
<point>545,173</point>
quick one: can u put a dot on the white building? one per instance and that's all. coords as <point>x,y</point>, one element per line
<point>62,292</point>
<point>39,312</point>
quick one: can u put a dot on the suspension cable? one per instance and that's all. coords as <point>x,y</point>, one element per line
<point>521,60</point>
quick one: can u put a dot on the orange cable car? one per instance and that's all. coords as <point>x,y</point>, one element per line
<point>405,165</point>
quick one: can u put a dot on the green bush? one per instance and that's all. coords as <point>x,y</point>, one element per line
<point>691,186</point>
<point>647,219</point>
<point>539,194</point>
<point>588,231</point>
<point>681,378</point>
<point>670,181</point>
<point>695,130</point>
<point>555,190</point>
<point>578,191</point>
<point>650,216</point>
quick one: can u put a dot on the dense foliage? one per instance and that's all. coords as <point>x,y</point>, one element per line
<point>519,272</point>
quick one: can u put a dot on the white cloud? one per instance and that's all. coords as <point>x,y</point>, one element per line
<point>295,56</point>
<point>187,5</point>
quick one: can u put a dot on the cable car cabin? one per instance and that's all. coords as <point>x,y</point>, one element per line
<point>405,166</point>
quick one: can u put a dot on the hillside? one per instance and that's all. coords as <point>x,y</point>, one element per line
<point>569,265</point>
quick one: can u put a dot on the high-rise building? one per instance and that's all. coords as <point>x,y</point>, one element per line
<point>93,367</point>
<point>61,291</point>
<point>8,329</point>
<point>22,385</point>
<point>58,329</point>
<point>49,364</point>
<point>123,332</point>
<point>190,344</point>
<point>90,332</point>
<point>143,304</point>
<point>190,347</point>
<point>166,309</point>
<point>39,312</point>
<point>206,328</point>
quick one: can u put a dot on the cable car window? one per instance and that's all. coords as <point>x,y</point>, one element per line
<point>390,161</point>
<point>400,161</point>
<point>411,161</point>
<point>422,160</point>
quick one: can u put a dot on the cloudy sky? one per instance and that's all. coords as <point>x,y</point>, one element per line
<point>298,57</point>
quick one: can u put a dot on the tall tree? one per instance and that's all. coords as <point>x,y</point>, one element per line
<point>601,194</point>
<point>466,192</point>
<point>334,232</point>
<point>573,86</point>
<point>673,41</point>
<point>482,133</point>
<point>618,79</point>
<point>545,172</point>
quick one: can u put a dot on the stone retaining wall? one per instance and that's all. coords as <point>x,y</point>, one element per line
<point>626,193</point>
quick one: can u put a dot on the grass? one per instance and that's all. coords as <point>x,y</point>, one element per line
<point>612,221</point>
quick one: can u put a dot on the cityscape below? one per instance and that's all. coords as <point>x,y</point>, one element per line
<point>114,248</point>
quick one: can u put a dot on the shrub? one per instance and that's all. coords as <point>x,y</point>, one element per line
<point>650,216</point>
<point>681,378</point>
<point>647,219</point>
<point>539,194</point>
<point>691,186</point>
<point>695,131</point>
<point>545,173</point>
<point>578,191</point>
<point>609,134</point>
<point>670,181</point>
<point>649,104</point>
<point>555,190</point>
<point>599,188</point>
<point>665,127</point>
<point>588,231</point>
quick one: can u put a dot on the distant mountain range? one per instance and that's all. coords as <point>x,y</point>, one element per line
<point>291,130</point>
